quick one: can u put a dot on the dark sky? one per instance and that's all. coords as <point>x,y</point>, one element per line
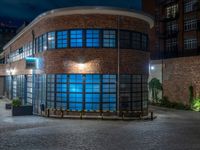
<point>20,10</point>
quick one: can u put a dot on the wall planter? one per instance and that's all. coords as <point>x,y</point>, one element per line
<point>22,110</point>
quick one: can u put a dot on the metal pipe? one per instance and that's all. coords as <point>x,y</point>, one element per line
<point>118,65</point>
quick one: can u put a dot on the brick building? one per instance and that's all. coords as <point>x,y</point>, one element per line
<point>176,46</point>
<point>92,59</point>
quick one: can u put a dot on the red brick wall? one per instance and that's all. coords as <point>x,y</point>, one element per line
<point>80,21</point>
<point>178,75</point>
<point>96,60</point>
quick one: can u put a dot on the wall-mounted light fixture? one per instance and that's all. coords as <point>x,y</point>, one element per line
<point>81,66</point>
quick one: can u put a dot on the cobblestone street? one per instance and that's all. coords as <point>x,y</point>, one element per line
<point>172,130</point>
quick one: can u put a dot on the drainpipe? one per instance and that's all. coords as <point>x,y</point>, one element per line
<point>118,65</point>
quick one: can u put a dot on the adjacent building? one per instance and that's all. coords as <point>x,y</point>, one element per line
<point>175,46</point>
<point>91,59</point>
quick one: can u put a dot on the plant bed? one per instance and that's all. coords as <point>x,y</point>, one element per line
<point>22,111</point>
<point>19,110</point>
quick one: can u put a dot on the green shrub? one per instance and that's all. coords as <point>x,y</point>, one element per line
<point>155,87</point>
<point>166,103</point>
<point>196,104</point>
<point>16,103</point>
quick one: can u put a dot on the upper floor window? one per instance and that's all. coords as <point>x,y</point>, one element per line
<point>44,42</point>
<point>62,39</point>
<point>109,38</point>
<point>51,40</point>
<point>190,24</point>
<point>40,44</point>
<point>76,38</point>
<point>171,44</point>
<point>124,39</point>
<point>92,38</point>
<point>190,43</point>
<point>136,40</point>
<point>172,26</point>
<point>144,42</point>
<point>189,5</point>
<point>172,11</point>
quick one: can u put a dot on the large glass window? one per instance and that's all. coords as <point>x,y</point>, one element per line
<point>190,24</point>
<point>40,44</point>
<point>109,38</point>
<point>125,39</point>
<point>76,38</point>
<point>51,40</point>
<point>29,89</point>
<point>39,96</point>
<point>76,92</point>
<point>171,11</point>
<point>171,44</point>
<point>92,90</point>
<point>51,91</point>
<point>109,92</point>
<point>62,39</point>
<point>44,42</point>
<point>136,40</point>
<point>136,92</point>
<point>190,43</point>
<point>92,38</point>
<point>61,91</point>
<point>189,5</point>
<point>172,26</point>
<point>14,87</point>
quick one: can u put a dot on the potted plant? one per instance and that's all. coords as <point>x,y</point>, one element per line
<point>20,110</point>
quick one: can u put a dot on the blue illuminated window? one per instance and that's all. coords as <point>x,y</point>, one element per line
<point>44,41</point>
<point>76,38</point>
<point>92,78</point>
<point>75,102</point>
<point>75,88</point>
<point>61,39</point>
<point>109,106</point>
<point>92,38</point>
<point>109,88</point>
<point>51,40</point>
<point>109,38</point>
<point>92,87</point>
<point>40,47</point>
<point>76,78</point>
<point>109,78</point>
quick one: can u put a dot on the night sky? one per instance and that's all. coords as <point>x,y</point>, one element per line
<point>26,10</point>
